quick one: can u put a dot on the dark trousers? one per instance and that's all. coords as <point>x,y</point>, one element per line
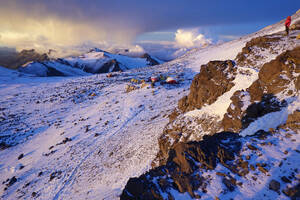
<point>287,29</point>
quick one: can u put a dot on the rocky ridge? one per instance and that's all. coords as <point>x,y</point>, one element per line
<point>227,162</point>
<point>194,145</point>
<point>280,77</point>
<point>247,103</point>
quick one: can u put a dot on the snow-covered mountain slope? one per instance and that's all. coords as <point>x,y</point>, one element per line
<point>95,59</point>
<point>256,94</point>
<point>7,73</point>
<point>112,135</point>
<point>84,137</point>
<point>94,62</point>
<point>51,68</point>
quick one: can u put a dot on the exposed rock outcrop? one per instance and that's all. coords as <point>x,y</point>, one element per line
<point>292,192</point>
<point>292,122</point>
<point>249,55</point>
<point>214,79</point>
<point>151,61</point>
<point>295,26</point>
<point>184,129</point>
<point>184,161</point>
<point>263,49</point>
<point>224,158</point>
<point>185,152</point>
<point>281,75</point>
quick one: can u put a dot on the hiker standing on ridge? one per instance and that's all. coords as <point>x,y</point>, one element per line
<point>287,24</point>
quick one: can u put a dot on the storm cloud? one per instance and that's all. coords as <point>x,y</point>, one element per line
<point>59,23</point>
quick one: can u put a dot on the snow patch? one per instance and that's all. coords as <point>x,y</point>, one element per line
<point>271,120</point>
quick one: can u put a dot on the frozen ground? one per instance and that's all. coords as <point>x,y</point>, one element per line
<point>111,135</point>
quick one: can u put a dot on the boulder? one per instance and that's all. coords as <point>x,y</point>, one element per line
<point>275,186</point>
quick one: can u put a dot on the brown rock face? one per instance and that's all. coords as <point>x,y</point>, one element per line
<point>179,172</point>
<point>230,120</point>
<point>238,119</point>
<point>248,55</point>
<point>214,79</point>
<point>184,130</point>
<point>277,76</point>
<point>295,26</point>
<point>146,190</point>
<point>297,83</point>
<point>293,121</point>
<point>207,152</point>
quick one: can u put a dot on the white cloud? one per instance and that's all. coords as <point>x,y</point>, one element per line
<point>184,40</point>
<point>190,38</point>
<point>134,50</point>
<point>164,50</point>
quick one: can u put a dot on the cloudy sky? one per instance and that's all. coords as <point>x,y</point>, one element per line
<point>42,24</point>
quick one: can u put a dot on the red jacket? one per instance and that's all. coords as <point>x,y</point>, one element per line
<point>288,21</point>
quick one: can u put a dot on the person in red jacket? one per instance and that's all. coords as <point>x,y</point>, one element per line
<point>287,24</point>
